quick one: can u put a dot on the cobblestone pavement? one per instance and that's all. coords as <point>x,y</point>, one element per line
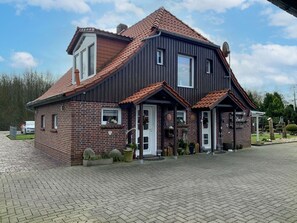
<point>251,185</point>
<point>20,155</point>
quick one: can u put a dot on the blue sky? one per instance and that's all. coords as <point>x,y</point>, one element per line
<point>262,38</point>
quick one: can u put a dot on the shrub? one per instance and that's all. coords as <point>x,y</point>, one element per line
<point>116,155</point>
<point>291,128</point>
<point>88,154</point>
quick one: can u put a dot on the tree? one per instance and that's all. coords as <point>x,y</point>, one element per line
<point>257,98</point>
<point>273,106</point>
<point>15,92</point>
<point>290,114</point>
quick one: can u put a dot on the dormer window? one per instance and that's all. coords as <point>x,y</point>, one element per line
<point>84,58</point>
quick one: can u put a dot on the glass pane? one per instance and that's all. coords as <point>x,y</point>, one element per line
<point>91,59</point>
<point>110,116</point>
<point>205,136</point>
<point>83,65</point>
<point>145,139</point>
<point>145,146</point>
<point>185,71</point>
<point>205,120</point>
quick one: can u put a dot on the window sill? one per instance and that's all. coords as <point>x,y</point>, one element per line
<point>112,126</point>
<point>42,129</point>
<point>54,130</point>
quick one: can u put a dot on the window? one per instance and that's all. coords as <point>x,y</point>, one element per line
<point>160,57</point>
<point>76,61</point>
<point>209,66</point>
<point>185,77</point>
<point>111,116</point>
<point>83,65</point>
<point>42,122</point>
<point>55,121</point>
<point>91,63</point>
<point>181,117</point>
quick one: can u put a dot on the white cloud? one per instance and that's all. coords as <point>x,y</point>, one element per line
<point>125,6</point>
<point>23,60</point>
<point>266,66</point>
<point>284,20</point>
<point>1,59</point>
<point>78,6</point>
<point>217,6</point>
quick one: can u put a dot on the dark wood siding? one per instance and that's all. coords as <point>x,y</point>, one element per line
<point>143,70</point>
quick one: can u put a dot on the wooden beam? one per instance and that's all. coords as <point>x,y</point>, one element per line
<point>224,106</point>
<point>151,101</point>
<point>162,130</point>
<point>212,131</point>
<point>129,125</point>
<point>234,129</point>
<point>175,131</point>
<point>141,133</point>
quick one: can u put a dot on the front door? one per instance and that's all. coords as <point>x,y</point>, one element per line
<point>206,130</point>
<point>149,129</point>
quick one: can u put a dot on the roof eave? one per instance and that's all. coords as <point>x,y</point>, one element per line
<point>193,40</point>
<point>38,103</point>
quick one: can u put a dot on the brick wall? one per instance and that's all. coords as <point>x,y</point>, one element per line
<point>55,143</point>
<point>243,135</point>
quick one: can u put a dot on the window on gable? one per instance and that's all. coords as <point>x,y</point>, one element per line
<point>83,65</point>
<point>185,76</point>
<point>160,57</point>
<point>181,117</point>
<point>76,61</point>
<point>42,122</point>
<point>55,121</point>
<point>111,116</point>
<point>91,58</point>
<point>209,66</point>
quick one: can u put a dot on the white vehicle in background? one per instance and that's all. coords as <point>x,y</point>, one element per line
<point>28,127</point>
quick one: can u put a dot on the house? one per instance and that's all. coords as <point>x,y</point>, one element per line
<point>161,68</point>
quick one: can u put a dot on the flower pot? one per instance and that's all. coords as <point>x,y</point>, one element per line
<point>192,148</point>
<point>128,155</point>
<point>97,162</point>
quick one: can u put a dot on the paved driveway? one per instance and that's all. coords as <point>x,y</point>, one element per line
<point>20,155</point>
<point>255,185</point>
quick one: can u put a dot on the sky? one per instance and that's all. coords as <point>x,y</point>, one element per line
<point>34,34</point>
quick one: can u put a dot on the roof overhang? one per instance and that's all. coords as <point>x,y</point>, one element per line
<point>158,93</point>
<point>289,6</point>
<point>223,99</point>
<point>80,31</point>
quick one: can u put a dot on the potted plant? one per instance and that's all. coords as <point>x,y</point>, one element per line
<point>192,148</point>
<point>91,159</point>
<point>129,152</point>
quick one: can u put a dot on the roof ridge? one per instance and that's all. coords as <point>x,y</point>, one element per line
<point>158,17</point>
<point>200,35</point>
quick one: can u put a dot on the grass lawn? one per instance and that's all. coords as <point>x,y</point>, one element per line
<point>23,137</point>
<point>267,136</point>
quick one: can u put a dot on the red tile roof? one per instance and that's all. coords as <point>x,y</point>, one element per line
<point>152,89</point>
<point>160,19</point>
<point>212,99</point>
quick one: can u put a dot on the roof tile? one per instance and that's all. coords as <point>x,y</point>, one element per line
<point>160,19</point>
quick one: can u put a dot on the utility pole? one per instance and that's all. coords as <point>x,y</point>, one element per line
<point>294,93</point>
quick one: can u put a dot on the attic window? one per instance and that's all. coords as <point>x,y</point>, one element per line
<point>209,66</point>
<point>84,57</point>
<point>160,57</point>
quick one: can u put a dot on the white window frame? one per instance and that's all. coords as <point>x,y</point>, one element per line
<point>113,109</point>
<point>84,44</point>
<point>160,54</point>
<point>55,121</point>
<point>192,71</point>
<point>209,65</point>
<point>42,121</point>
<point>184,114</point>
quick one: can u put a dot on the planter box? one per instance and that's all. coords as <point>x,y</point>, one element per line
<point>97,162</point>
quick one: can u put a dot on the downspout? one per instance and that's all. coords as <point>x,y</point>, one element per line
<point>151,37</point>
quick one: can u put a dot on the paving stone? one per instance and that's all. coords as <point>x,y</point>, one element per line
<point>252,185</point>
